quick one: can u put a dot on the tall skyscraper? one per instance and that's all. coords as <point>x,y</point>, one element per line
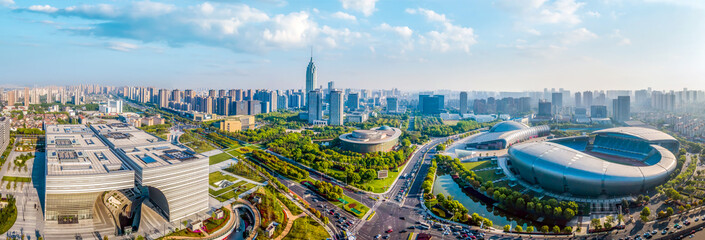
<point>587,98</point>
<point>578,99</point>
<point>26,97</point>
<point>311,76</point>
<point>11,98</point>
<point>431,104</point>
<point>315,106</point>
<point>353,101</point>
<point>557,102</point>
<point>392,105</point>
<point>621,108</point>
<point>336,108</point>
<point>163,98</point>
<point>463,102</point>
<point>545,109</point>
<point>598,111</point>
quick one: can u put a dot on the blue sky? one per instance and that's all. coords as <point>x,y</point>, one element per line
<point>503,45</point>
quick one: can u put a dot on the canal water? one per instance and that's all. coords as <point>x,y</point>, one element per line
<point>445,184</point>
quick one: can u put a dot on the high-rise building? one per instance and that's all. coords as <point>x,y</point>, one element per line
<point>212,93</point>
<point>463,103</point>
<point>176,95</point>
<point>163,98</point>
<point>11,98</point>
<point>545,109</point>
<point>557,102</point>
<point>587,98</point>
<point>578,99</point>
<point>26,97</point>
<point>431,104</point>
<point>621,108</point>
<point>315,106</point>
<point>598,111</point>
<point>353,101</point>
<point>392,105</point>
<point>311,80</point>
<point>331,87</point>
<point>254,107</point>
<point>336,108</point>
<point>4,132</point>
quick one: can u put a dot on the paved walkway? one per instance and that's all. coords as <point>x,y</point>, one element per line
<point>289,221</point>
<point>222,231</point>
<point>257,218</point>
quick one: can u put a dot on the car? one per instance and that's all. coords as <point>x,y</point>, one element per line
<point>389,230</point>
<point>653,232</point>
<point>402,231</point>
<point>386,236</point>
<point>664,232</point>
<point>402,218</point>
<point>378,236</point>
<point>696,219</point>
<point>686,222</point>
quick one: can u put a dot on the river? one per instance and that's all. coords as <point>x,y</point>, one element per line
<point>445,184</point>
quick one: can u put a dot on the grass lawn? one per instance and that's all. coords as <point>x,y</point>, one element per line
<point>223,190</point>
<point>381,185</point>
<point>489,175</point>
<point>352,204</point>
<point>478,165</point>
<point>197,144</point>
<point>218,158</point>
<point>451,122</point>
<point>306,228</point>
<point>213,225</point>
<point>218,176</point>
<point>16,179</point>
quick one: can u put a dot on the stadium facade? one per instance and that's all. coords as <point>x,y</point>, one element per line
<point>615,162</point>
<point>504,134</point>
<point>381,139</point>
<point>83,162</point>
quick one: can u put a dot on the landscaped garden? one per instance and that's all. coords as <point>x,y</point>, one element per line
<point>8,214</point>
<point>243,170</point>
<point>194,142</point>
<point>306,228</point>
<point>218,158</point>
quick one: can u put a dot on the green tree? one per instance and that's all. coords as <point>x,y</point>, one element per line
<point>507,228</point>
<point>530,229</point>
<point>544,229</point>
<point>518,228</point>
<point>568,213</point>
<point>568,229</point>
<point>556,229</point>
<point>645,213</point>
<point>596,223</point>
<point>669,211</point>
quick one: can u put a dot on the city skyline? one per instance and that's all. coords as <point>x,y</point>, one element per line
<point>411,46</point>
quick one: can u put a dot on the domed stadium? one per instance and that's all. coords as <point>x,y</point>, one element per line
<point>382,139</point>
<point>504,134</point>
<point>615,162</point>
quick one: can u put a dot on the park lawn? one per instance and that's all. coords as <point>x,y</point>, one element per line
<point>488,175</point>
<point>451,122</point>
<point>218,158</point>
<point>16,179</point>
<point>381,185</point>
<point>215,177</point>
<point>197,144</point>
<point>306,228</point>
<point>213,225</point>
<point>226,189</point>
<point>478,165</point>
<point>352,202</point>
<point>245,188</point>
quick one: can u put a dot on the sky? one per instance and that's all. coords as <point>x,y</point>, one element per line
<point>493,45</point>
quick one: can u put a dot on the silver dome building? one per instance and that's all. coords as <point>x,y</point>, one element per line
<point>382,139</point>
<point>615,162</point>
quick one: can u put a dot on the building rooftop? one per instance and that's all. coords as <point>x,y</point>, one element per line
<point>122,135</point>
<point>158,155</point>
<point>76,150</point>
<point>647,134</point>
<point>372,136</point>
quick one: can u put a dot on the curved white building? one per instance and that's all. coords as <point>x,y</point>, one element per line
<point>504,134</point>
<point>616,162</point>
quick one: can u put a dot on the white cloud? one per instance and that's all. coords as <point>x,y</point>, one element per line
<point>429,14</point>
<point>401,31</point>
<point>577,36</point>
<point>593,14</point>
<point>43,8</point>
<point>543,11</point>
<point>344,16</point>
<point>6,2</point>
<point>533,31</point>
<point>238,27</point>
<point>621,40</point>
<point>366,7</point>
<point>447,36</point>
<point>121,46</point>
